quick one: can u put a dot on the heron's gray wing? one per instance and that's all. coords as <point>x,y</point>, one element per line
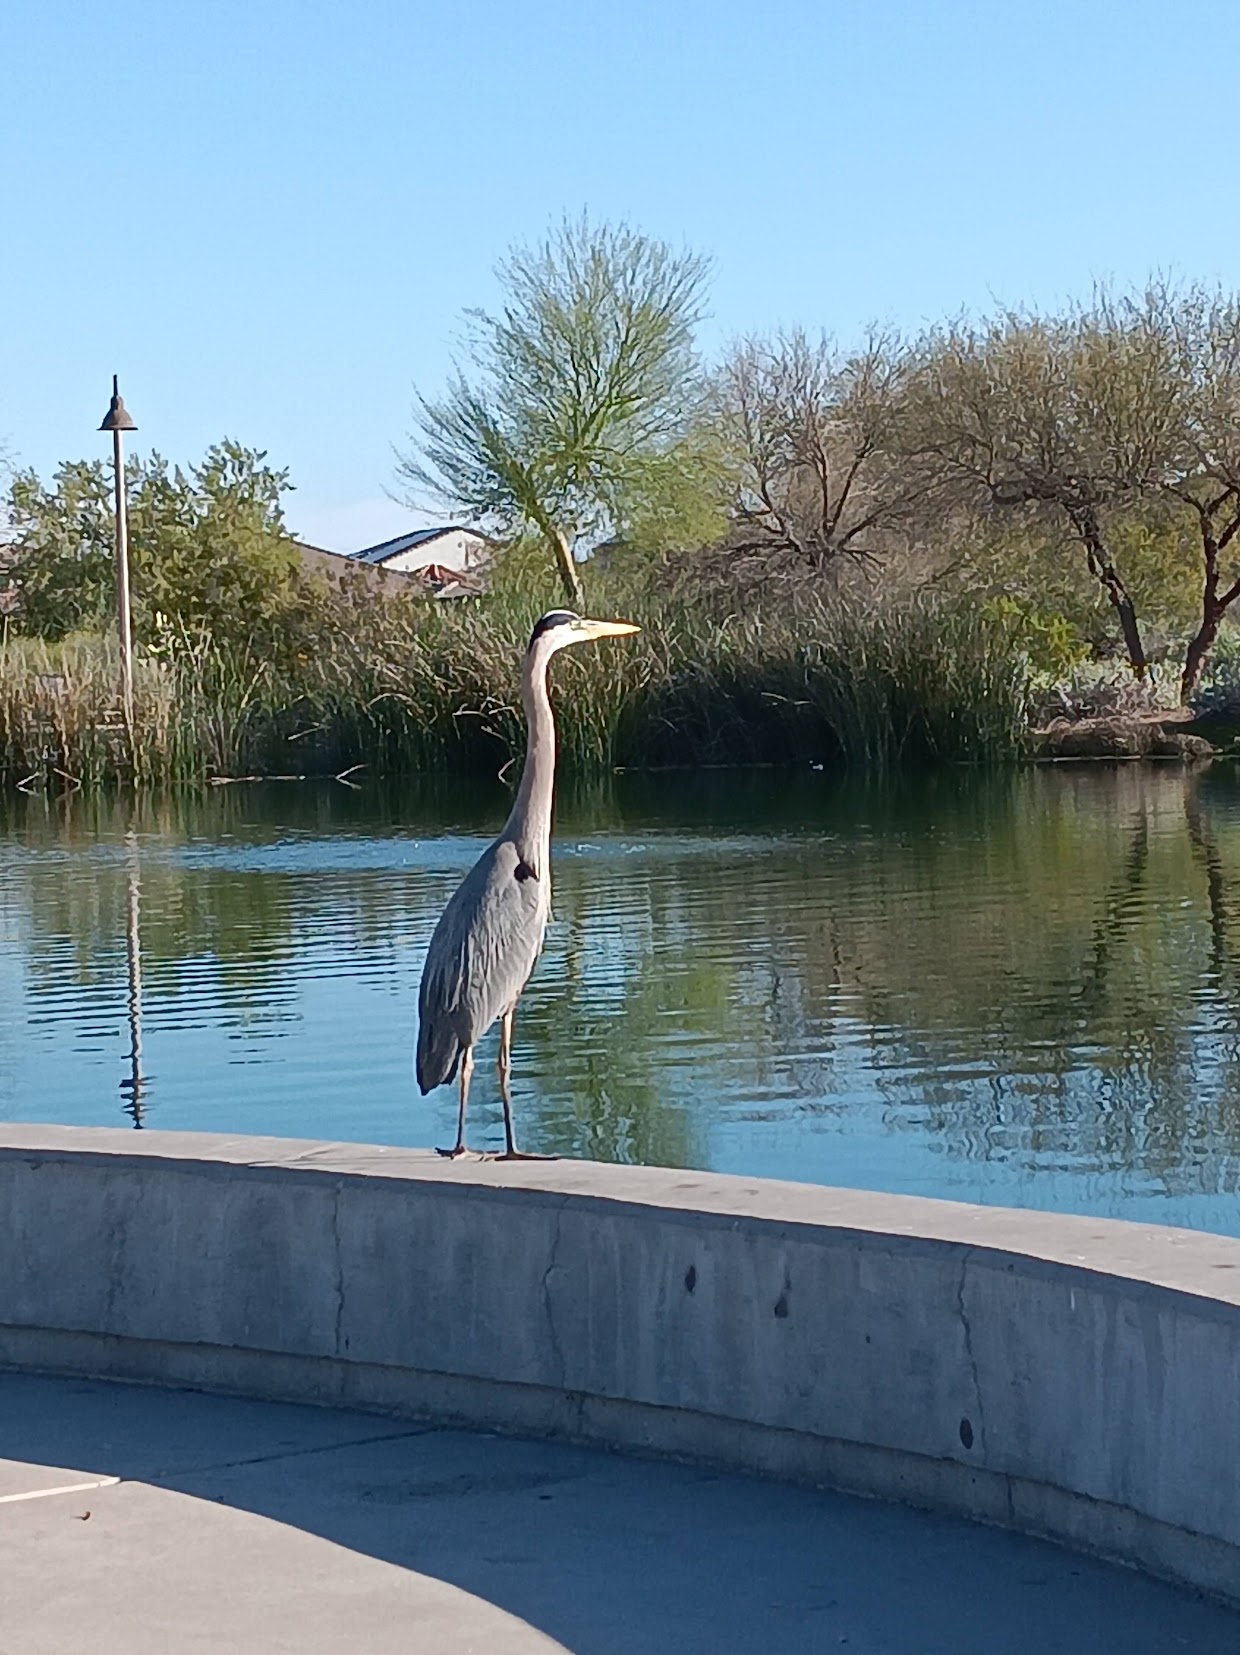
<point>480,958</point>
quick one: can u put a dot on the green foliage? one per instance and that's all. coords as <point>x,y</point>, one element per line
<point>61,547</point>
<point>1159,552</point>
<point>59,719</point>
<point>1030,570</point>
<point>680,499</point>
<point>1052,646</point>
<point>208,549</point>
<point>1224,669</point>
<point>577,391</point>
<point>856,555</point>
<point>403,685</point>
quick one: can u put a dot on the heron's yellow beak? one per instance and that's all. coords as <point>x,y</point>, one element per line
<point>605,629</point>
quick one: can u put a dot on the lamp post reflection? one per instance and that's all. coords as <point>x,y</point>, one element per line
<point>134,1084</point>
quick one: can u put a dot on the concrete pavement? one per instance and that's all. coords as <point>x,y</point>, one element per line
<point>152,1522</point>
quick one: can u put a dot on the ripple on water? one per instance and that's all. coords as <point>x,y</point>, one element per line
<point>1022,990</point>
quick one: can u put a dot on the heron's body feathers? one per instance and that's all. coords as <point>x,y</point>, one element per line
<point>481,955</point>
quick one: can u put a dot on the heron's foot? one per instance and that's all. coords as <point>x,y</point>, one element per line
<point>523,1155</point>
<point>454,1153</point>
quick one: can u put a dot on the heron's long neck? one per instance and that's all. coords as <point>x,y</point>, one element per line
<point>529,823</point>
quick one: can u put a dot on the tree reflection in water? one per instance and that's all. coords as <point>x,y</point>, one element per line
<point>1018,988</point>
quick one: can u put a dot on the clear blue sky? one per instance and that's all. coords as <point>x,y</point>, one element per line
<point>267,217</point>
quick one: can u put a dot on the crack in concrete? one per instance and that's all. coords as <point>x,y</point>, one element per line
<point>970,1353</point>
<point>557,1348</point>
<point>177,1475</point>
<point>290,1453</point>
<point>115,1268</point>
<point>339,1264</point>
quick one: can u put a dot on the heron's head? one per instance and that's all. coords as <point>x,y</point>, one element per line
<point>560,627</point>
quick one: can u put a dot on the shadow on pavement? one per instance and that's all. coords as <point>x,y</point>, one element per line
<point>605,1555</point>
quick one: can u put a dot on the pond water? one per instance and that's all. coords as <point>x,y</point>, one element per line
<point>1022,989</point>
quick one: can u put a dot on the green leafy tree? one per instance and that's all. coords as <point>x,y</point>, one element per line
<point>211,551</point>
<point>208,547</point>
<point>1017,564</point>
<point>60,552</point>
<point>576,398</point>
<point>681,500</point>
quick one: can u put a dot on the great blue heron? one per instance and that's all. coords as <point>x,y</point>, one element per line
<point>491,933</point>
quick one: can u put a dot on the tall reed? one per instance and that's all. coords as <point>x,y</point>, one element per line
<point>400,686</point>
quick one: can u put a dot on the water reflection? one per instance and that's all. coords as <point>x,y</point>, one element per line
<point>1018,988</point>
<point>134,1084</point>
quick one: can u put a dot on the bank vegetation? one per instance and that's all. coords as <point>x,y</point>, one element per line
<point>876,552</point>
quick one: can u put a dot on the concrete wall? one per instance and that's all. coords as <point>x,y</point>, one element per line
<point>1064,1376</point>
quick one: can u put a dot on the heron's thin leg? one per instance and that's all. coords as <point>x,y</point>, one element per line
<point>511,1152</point>
<point>505,1069</point>
<point>467,1069</point>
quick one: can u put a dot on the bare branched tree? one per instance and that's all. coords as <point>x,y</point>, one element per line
<point>813,435</point>
<point>1199,332</point>
<point>575,389</point>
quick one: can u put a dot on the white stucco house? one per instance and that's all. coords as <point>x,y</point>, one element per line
<point>452,562</point>
<point>437,554</point>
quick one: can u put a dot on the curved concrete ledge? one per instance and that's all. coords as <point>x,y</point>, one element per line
<point>1068,1377</point>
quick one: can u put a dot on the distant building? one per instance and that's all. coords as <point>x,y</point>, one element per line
<point>339,569</point>
<point>452,551</point>
<point>317,560</point>
<point>444,563</point>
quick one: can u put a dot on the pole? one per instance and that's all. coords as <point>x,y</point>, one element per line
<point>123,626</point>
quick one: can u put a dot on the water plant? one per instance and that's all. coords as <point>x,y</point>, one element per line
<point>401,686</point>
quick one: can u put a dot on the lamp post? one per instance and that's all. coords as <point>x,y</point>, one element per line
<point>117,420</point>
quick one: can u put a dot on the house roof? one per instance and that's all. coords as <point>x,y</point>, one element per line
<point>402,543</point>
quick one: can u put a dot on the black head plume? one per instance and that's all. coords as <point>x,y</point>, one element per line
<point>552,619</point>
